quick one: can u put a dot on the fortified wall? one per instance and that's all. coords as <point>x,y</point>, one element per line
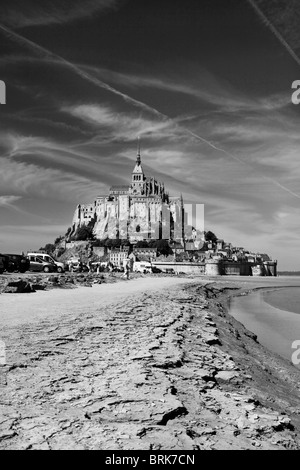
<point>220,268</point>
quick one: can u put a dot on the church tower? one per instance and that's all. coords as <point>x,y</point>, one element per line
<point>138,176</point>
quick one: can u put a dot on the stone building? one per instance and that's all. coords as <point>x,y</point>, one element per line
<point>145,253</point>
<point>118,255</point>
<point>140,210</point>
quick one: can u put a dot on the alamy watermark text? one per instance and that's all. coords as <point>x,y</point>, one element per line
<point>2,92</point>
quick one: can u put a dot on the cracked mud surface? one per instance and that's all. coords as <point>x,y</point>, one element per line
<point>166,369</point>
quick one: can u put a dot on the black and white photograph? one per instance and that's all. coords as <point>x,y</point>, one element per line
<point>149,227</point>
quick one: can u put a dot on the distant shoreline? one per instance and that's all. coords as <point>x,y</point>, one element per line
<point>288,273</point>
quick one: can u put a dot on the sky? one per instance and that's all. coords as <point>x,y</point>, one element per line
<point>205,84</point>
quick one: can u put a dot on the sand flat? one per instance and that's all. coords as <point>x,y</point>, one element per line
<point>157,364</point>
<point>16,309</point>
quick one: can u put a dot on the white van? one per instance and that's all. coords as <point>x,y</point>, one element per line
<point>142,267</point>
<point>49,259</point>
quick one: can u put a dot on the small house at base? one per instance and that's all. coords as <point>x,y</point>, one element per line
<point>145,253</point>
<point>118,255</point>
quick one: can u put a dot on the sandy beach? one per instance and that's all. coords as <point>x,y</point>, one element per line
<point>153,363</point>
<point>43,305</point>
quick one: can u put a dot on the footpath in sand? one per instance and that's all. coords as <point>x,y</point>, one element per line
<point>145,364</point>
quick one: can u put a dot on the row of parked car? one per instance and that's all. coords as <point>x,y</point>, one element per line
<point>11,263</point>
<point>40,261</point>
<point>32,262</point>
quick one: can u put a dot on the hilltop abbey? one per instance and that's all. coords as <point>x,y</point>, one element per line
<point>137,211</point>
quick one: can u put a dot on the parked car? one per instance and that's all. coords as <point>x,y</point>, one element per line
<point>117,269</point>
<point>142,267</point>
<point>169,271</point>
<point>49,259</point>
<point>3,263</point>
<point>80,268</point>
<point>38,264</point>
<point>76,266</point>
<point>15,263</point>
<point>155,270</point>
<point>71,262</point>
<point>97,266</point>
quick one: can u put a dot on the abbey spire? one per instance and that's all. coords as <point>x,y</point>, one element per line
<point>138,176</point>
<point>138,156</point>
<point>138,167</point>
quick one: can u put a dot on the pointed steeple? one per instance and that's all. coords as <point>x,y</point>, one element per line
<point>138,170</point>
<point>138,156</point>
<point>138,176</point>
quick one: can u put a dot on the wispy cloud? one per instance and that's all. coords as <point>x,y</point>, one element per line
<point>210,89</point>
<point>8,200</point>
<point>19,14</point>
<point>121,125</point>
<point>34,167</point>
<point>47,54</point>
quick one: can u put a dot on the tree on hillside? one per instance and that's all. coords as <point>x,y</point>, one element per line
<point>60,252</point>
<point>84,233</point>
<point>112,242</point>
<point>116,243</point>
<point>98,242</point>
<point>48,248</point>
<point>162,246</point>
<point>142,244</point>
<point>210,236</point>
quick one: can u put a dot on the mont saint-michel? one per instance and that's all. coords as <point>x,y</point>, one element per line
<point>142,212</point>
<point>143,209</point>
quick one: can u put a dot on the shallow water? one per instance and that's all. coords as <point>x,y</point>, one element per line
<point>276,328</point>
<point>284,299</point>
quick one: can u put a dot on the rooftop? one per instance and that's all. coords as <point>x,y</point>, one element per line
<point>124,187</point>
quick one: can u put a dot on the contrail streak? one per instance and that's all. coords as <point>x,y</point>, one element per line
<point>42,52</point>
<point>266,178</point>
<point>274,31</point>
